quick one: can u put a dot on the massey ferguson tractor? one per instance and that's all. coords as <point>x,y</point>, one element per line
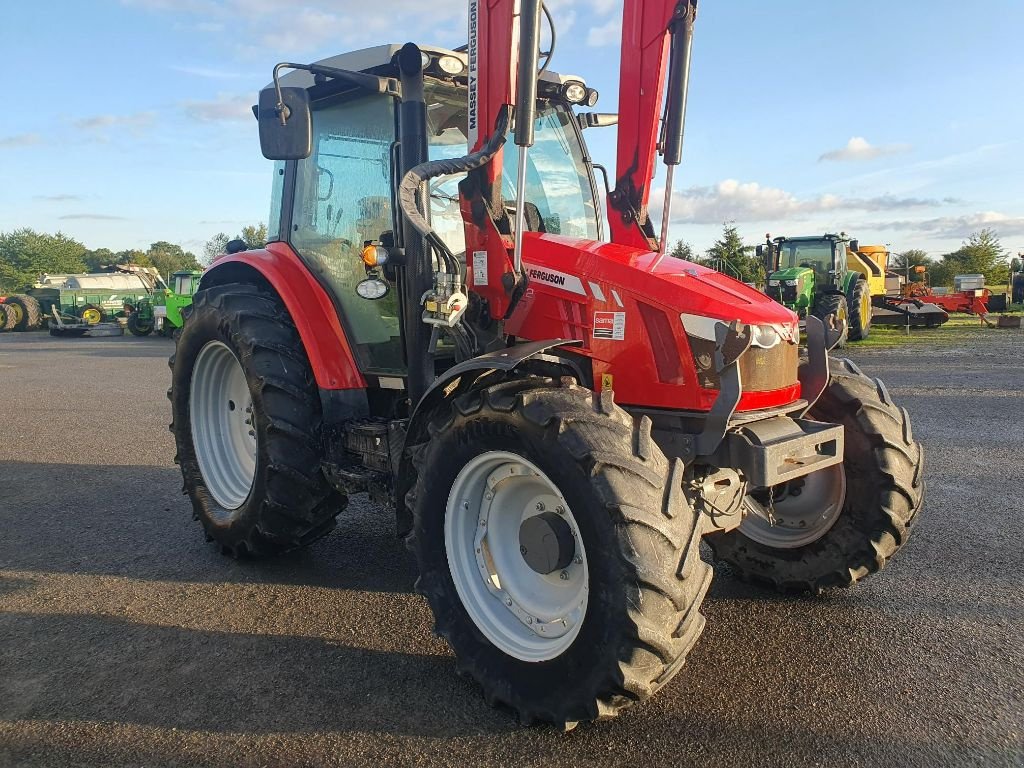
<point>558,412</point>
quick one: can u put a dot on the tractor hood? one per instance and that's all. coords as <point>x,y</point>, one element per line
<point>674,284</point>
<point>793,273</point>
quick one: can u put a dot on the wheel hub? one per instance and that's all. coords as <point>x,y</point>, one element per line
<point>796,513</point>
<point>223,427</point>
<point>546,542</point>
<point>516,556</point>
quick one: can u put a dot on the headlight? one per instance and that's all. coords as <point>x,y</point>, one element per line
<point>452,65</point>
<point>773,283</point>
<point>792,282</point>
<point>372,288</point>
<point>574,92</point>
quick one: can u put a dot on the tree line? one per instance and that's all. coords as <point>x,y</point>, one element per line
<point>26,254</point>
<point>981,253</point>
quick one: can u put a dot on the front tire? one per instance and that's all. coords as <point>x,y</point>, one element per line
<point>813,547</point>
<point>138,327</point>
<point>859,303</point>
<point>834,304</point>
<point>633,549</point>
<point>246,422</point>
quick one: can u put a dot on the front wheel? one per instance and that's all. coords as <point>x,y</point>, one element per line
<point>246,422</point>
<point>557,550</point>
<point>834,304</point>
<point>859,303</point>
<point>137,326</point>
<point>833,527</point>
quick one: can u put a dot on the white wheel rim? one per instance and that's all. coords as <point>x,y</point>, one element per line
<point>223,428</point>
<point>528,615</point>
<point>789,520</point>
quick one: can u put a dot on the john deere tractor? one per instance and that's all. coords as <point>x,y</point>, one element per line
<point>813,276</point>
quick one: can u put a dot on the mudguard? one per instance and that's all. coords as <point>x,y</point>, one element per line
<point>306,300</point>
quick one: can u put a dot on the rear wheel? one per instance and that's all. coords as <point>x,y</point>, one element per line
<point>246,421</point>
<point>29,315</point>
<point>557,550</point>
<point>834,304</point>
<point>835,526</point>
<point>860,310</point>
<point>137,326</point>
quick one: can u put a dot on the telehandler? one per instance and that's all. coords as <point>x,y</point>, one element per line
<point>559,414</point>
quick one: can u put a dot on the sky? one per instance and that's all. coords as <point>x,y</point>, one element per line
<point>125,122</point>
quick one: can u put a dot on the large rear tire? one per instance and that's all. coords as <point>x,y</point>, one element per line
<point>246,422</point>
<point>30,317</point>
<point>615,618</point>
<point>859,303</point>
<point>8,317</point>
<point>834,304</point>
<point>844,523</point>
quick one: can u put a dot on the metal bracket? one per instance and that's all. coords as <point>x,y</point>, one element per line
<point>731,341</point>
<point>814,374</point>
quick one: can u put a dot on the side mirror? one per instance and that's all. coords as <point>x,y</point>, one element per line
<point>596,119</point>
<point>855,245</point>
<point>289,137</point>
<point>759,251</point>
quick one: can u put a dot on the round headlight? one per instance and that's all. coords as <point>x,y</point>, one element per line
<point>592,97</point>
<point>372,288</point>
<point>452,65</point>
<point>425,58</point>
<point>574,92</point>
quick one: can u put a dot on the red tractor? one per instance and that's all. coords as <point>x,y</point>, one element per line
<point>559,416</point>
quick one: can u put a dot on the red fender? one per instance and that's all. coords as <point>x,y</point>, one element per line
<point>307,302</point>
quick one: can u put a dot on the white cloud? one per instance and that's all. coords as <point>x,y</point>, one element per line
<point>960,226</point>
<point>731,200</point>
<point>225,107</point>
<point>100,122</point>
<point>20,140</point>
<point>609,33</point>
<point>858,148</point>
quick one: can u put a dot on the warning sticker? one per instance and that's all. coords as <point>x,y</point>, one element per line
<point>479,268</point>
<point>610,325</point>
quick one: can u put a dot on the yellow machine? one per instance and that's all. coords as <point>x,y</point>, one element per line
<point>871,261</point>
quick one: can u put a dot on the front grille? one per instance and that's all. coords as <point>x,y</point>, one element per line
<point>789,294</point>
<point>761,370</point>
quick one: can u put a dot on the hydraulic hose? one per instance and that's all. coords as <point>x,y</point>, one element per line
<point>407,190</point>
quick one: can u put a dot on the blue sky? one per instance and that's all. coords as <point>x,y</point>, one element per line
<point>127,121</point>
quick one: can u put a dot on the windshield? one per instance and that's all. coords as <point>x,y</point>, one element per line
<point>559,196</point>
<point>816,254</point>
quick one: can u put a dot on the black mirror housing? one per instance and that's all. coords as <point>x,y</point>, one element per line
<point>294,139</point>
<point>854,245</point>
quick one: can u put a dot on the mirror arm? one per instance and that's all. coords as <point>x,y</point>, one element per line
<point>372,83</point>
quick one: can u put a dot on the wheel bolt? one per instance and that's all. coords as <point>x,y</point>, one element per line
<point>560,509</point>
<point>522,550</point>
<point>251,433</point>
<point>564,575</point>
<point>578,559</point>
<point>529,620</point>
<point>508,601</point>
<point>488,495</point>
<point>540,506</point>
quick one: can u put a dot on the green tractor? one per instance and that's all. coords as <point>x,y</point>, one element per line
<point>812,276</point>
<point>162,312</point>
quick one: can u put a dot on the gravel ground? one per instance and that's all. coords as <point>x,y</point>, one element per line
<point>125,639</point>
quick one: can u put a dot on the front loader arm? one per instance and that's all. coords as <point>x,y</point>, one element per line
<point>643,67</point>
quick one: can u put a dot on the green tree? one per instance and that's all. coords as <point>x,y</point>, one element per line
<point>215,246</point>
<point>132,256</point>
<point>255,235</point>
<point>899,262</point>
<point>101,257</point>
<point>26,254</point>
<point>682,250</point>
<point>731,256</point>
<point>171,257</point>
<point>981,253</point>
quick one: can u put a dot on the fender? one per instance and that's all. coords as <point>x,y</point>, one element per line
<point>851,280</point>
<point>307,302</point>
<point>458,380</point>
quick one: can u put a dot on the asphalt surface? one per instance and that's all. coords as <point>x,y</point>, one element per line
<point>126,639</point>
